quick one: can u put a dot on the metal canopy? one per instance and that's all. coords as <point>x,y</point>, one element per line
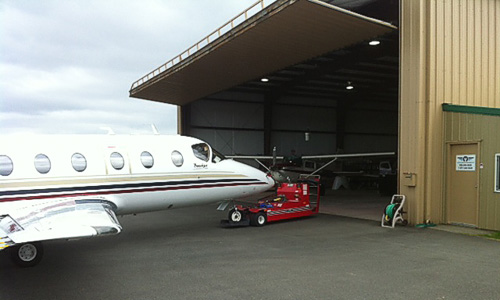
<point>283,34</point>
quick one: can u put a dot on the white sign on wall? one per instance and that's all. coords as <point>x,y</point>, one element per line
<point>466,163</point>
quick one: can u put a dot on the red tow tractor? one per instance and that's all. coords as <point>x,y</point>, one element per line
<point>292,200</point>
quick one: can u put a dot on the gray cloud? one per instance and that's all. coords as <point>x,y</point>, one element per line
<point>67,66</point>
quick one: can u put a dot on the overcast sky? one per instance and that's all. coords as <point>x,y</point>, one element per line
<point>67,66</point>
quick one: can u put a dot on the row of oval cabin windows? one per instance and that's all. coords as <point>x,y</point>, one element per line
<point>79,162</point>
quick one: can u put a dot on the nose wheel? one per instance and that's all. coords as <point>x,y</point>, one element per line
<point>235,216</point>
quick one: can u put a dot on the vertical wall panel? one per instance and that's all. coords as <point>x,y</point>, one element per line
<point>412,109</point>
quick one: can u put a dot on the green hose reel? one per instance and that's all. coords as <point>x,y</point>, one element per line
<point>393,212</point>
<point>390,210</point>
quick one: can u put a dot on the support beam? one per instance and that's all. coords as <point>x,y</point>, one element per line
<point>269,100</point>
<point>340,125</point>
<point>184,119</point>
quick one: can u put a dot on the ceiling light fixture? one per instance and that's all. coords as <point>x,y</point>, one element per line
<point>349,86</point>
<point>264,79</point>
<point>374,43</point>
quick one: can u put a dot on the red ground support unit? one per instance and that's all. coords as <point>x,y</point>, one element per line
<point>292,200</point>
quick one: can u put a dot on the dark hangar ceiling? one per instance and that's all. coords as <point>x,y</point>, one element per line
<point>371,70</point>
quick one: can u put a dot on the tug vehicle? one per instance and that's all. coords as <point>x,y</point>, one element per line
<point>292,200</point>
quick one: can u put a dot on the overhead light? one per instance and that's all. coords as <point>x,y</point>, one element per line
<point>374,43</point>
<point>349,86</point>
<point>264,79</point>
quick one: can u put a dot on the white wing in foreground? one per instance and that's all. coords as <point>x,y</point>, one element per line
<point>57,219</point>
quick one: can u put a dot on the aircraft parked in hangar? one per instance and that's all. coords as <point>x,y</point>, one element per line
<point>289,169</point>
<point>73,186</point>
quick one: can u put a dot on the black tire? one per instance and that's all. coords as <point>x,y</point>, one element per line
<point>235,216</point>
<point>27,255</point>
<point>259,219</point>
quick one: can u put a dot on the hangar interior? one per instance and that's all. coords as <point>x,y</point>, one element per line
<point>311,97</point>
<point>279,79</point>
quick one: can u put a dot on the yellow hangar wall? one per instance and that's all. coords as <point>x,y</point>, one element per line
<point>450,53</point>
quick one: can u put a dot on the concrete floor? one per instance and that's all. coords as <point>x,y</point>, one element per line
<point>360,204</point>
<point>369,205</point>
<point>185,254</point>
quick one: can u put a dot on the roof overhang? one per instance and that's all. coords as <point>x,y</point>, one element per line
<point>285,33</point>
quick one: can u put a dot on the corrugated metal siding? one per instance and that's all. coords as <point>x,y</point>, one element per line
<point>464,52</point>
<point>462,127</point>
<point>450,53</point>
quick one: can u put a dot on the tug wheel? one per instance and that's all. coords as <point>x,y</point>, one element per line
<point>235,216</point>
<point>27,255</point>
<point>259,219</point>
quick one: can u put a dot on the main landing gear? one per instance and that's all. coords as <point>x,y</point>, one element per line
<point>26,255</point>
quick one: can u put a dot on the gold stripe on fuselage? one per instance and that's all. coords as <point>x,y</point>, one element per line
<point>94,180</point>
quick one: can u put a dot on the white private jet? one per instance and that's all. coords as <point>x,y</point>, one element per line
<point>73,186</point>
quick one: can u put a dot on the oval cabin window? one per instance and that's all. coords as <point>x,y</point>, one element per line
<point>147,159</point>
<point>79,162</point>
<point>177,158</point>
<point>6,165</point>
<point>42,164</point>
<point>117,161</point>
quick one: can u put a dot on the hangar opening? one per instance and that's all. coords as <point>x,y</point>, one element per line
<point>306,78</point>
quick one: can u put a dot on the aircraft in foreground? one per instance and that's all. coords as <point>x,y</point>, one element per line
<point>73,186</point>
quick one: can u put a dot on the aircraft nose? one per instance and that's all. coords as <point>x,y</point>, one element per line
<point>252,172</point>
<point>270,181</point>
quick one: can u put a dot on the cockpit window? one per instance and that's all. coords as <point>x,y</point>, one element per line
<point>201,151</point>
<point>217,156</point>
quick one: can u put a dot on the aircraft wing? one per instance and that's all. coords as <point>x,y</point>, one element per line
<point>56,219</point>
<point>328,156</point>
<point>262,157</point>
<point>331,157</point>
<point>353,155</point>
